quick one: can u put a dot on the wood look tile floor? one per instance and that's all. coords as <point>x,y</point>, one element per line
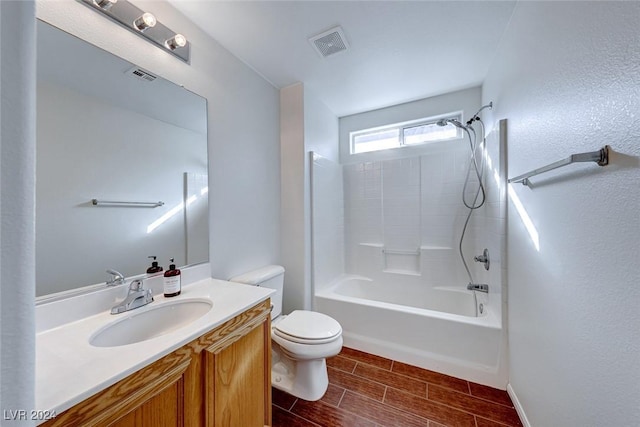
<point>368,390</point>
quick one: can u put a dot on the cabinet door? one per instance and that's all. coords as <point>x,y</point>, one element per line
<point>239,381</point>
<point>151,397</point>
<point>162,410</point>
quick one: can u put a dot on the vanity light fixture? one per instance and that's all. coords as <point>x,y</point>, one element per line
<point>143,23</point>
<point>105,4</point>
<point>147,20</point>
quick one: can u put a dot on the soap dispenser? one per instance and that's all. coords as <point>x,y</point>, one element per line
<point>155,268</point>
<point>172,284</point>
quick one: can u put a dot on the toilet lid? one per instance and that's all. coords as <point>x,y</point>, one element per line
<point>308,327</point>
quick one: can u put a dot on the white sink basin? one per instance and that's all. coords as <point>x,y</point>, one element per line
<point>141,326</point>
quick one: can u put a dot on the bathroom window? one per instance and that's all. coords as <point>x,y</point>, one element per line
<point>397,135</point>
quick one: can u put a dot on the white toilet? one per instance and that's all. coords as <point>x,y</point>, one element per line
<point>301,341</point>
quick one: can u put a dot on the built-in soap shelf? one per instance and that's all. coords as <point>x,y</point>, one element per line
<point>402,261</point>
<point>435,248</point>
<point>399,261</point>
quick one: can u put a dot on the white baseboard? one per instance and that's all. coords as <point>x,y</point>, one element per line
<point>518,406</point>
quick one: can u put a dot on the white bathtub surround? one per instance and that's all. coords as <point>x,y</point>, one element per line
<point>404,293</point>
<point>400,214</point>
<point>488,224</point>
<point>69,369</point>
<point>407,206</point>
<point>327,219</point>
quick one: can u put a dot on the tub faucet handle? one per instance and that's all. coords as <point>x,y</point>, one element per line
<point>484,258</point>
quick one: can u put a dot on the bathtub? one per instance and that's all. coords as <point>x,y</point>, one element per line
<point>445,329</point>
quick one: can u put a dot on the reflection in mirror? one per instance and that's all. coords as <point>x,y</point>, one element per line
<point>111,131</point>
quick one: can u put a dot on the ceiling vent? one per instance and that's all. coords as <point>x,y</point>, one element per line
<point>141,74</point>
<point>330,42</point>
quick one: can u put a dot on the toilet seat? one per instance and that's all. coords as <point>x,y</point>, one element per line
<point>307,327</point>
<point>302,352</point>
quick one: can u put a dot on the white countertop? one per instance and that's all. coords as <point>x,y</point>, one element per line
<point>69,369</point>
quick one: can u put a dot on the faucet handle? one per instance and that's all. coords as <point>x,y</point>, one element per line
<point>117,278</point>
<point>136,285</point>
<point>484,258</point>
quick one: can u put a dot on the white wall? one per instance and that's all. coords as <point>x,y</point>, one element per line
<point>306,124</point>
<point>292,199</point>
<point>566,77</point>
<point>17,209</point>
<point>243,132</point>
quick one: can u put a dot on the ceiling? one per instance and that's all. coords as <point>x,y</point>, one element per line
<point>399,50</point>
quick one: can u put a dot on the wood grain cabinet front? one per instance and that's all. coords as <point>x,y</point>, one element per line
<point>221,379</point>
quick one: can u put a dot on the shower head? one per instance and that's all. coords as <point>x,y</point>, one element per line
<point>456,123</point>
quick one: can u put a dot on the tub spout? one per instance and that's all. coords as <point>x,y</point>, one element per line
<point>478,287</point>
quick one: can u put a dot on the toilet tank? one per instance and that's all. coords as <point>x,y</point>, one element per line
<point>270,276</point>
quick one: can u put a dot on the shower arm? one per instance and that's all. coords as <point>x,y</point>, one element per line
<point>476,117</point>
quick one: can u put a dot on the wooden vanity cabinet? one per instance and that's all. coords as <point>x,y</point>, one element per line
<point>222,378</point>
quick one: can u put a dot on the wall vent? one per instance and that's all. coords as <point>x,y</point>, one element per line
<point>141,74</point>
<point>330,42</point>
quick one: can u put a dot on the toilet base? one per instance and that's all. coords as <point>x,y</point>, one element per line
<point>305,379</point>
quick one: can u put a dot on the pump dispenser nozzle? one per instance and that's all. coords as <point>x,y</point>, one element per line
<point>155,268</point>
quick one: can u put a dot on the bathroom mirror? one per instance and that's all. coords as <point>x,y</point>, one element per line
<point>111,131</point>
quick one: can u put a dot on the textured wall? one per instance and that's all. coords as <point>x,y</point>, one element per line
<point>567,77</point>
<point>17,208</point>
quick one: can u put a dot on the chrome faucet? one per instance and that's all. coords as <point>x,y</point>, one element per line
<point>478,287</point>
<point>137,297</point>
<point>116,278</point>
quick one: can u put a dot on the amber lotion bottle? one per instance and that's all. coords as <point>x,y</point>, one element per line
<point>172,285</point>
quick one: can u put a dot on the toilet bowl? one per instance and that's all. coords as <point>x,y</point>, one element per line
<point>301,340</point>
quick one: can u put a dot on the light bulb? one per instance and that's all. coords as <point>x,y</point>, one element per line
<point>176,41</point>
<point>147,20</point>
